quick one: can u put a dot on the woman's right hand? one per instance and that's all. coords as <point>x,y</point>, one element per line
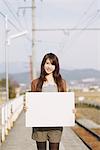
<point>25,108</point>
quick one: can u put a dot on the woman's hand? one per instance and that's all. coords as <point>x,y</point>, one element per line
<point>74,110</point>
<point>25,107</point>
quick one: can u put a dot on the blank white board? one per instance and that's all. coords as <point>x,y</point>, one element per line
<point>50,109</point>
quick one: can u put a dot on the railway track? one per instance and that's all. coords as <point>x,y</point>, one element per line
<point>89,137</point>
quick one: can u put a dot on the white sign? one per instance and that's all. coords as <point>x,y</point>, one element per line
<point>50,109</point>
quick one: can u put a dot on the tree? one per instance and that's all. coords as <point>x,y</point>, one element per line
<point>12,87</point>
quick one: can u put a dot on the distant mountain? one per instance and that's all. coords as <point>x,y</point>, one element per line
<point>68,75</point>
<point>19,71</point>
<point>79,74</point>
<point>23,77</point>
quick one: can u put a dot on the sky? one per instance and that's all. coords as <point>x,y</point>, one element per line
<point>76,49</point>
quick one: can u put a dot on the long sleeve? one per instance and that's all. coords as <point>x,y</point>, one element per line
<point>33,85</point>
<point>65,85</point>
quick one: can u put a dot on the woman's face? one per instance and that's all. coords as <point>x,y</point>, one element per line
<point>48,67</point>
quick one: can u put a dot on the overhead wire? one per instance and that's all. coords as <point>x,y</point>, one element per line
<point>10,10</point>
<point>45,29</point>
<point>15,17</point>
<point>4,15</point>
<point>90,18</point>
<point>25,21</point>
<point>78,34</point>
<point>84,13</point>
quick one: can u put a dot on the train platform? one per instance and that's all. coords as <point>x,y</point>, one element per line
<point>19,138</point>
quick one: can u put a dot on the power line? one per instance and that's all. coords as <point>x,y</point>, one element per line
<point>10,21</point>
<point>64,29</point>
<point>6,4</point>
<point>92,19</point>
<point>79,34</point>
<point>15,17</point>
<point>85,12</point>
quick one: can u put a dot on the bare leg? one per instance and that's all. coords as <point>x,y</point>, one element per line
<point>41,145</point>
<point>53,146</point>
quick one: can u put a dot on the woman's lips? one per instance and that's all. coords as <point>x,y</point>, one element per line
<point>48,69</point>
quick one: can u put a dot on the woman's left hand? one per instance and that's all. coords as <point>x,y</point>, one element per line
<point>74,110</point>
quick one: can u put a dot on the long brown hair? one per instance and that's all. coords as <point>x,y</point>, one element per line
<point>56,74</point>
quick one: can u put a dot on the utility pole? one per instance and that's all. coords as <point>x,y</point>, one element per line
<point>30,66</point>
<point>33,43</point>
<point>6,54</point>
<point>6,58</point>
<point>33,68</point>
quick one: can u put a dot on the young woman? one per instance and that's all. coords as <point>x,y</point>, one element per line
<point>50,80</point>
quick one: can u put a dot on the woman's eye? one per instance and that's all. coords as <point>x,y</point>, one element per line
<point>47,63</point>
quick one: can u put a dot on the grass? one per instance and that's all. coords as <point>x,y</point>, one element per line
<point>90,95</point>
<point>88,113</point>
<point>1,101</point>
<point>84,111</point>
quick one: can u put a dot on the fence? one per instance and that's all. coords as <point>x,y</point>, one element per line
<point>9,112</point>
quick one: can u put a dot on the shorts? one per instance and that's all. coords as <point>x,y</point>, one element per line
<point>53,136</point>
